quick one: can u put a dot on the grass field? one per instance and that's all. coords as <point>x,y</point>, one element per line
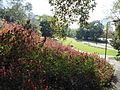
<point>86,48</point>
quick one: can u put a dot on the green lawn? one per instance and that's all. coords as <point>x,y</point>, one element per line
<point>86,48</point>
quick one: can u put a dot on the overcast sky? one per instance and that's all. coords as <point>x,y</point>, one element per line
<point>102,9</point>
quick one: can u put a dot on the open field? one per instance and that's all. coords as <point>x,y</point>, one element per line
<point>86,48</point>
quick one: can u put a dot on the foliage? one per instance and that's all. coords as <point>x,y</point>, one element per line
<point>96,30</point>
<point>18,69</point>
<point>51,27</point>
<point>116,42</point>
<point>71,32</point>
<point>80,64</point>
<point>93,31</point>
<point>25,65</point>
<point>82,34</point>
<point>68,11</point>
<point>15,10</point>
<point>18,40</point>
<point>46,30</point>
<point>116,36</point>
<point>117,58</point>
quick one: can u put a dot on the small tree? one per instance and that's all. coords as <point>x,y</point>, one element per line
<point>95,29</point>
<point>51,27</point>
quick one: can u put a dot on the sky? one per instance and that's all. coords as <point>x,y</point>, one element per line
<point>41,7</point>
<point>102,9</point>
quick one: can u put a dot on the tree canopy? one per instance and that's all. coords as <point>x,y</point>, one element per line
<point>15,10</point>
<point>94,30</point>
<point>52,27</point>
<point>68,11</point>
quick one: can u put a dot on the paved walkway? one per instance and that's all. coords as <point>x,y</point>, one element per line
<point>116,81</point>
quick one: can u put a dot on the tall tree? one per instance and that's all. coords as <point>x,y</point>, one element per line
<point>82,33</point>
<point>68,11</point>
<point>15,10</point>
<point>96,30</point>
<point>93,31</point>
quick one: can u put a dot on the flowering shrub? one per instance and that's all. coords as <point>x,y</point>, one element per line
<point>25,65</point>
<point>18,69</point>
<point>96,71</point>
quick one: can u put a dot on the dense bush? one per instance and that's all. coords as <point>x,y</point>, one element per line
<point>25,65</point>
<point>85,71</point>
<point>17,68</point>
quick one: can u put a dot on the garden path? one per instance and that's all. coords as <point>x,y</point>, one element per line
<point>116,81</point>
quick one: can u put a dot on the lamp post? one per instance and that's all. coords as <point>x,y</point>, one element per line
<point>106,36</point>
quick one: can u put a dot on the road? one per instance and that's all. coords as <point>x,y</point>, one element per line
<point>98,45</point>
